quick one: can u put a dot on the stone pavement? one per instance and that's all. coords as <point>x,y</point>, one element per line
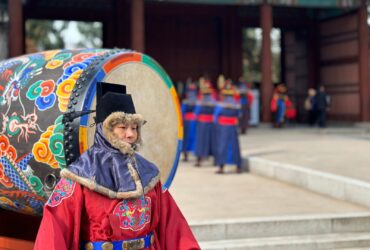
<point>203,195</point>
<point>340,151</point>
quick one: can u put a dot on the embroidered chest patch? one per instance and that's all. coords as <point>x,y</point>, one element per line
<point>133,214</point>
<point>63,190</point>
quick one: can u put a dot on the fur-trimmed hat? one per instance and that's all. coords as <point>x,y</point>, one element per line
<point>115,107</point>
<point>116,118</point>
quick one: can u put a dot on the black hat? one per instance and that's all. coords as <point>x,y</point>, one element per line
<point>112,98</point>
<point>109,98</point>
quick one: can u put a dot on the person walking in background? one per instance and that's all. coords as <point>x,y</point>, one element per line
<point>227,149</point>
<point>310,106</point>
<point>188,110</point>
<point>204,126</point>
<point>274,106</point>
<point>278,105</point>
<point>205,81</point>
<point>322,103</point>
<point>221,82</point>
<point>290,110</point>
<point>246,99</point>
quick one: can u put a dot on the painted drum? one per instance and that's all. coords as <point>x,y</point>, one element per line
<point>37,138</point>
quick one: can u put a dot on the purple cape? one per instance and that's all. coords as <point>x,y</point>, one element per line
<point>109,167</point>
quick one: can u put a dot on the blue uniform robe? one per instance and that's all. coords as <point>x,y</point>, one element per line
<point>190,122</point>
<point>204,138</point>
<point>227,149</point>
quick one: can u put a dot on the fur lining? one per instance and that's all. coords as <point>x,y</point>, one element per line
<point>116,118</point>
<point>135,177</point>
<point>151,184</point>
<point>92,185</point>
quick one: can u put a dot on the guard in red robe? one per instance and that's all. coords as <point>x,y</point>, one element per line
<point>111,197</point>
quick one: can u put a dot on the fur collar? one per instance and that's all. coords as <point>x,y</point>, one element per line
<point>111,167</point>
<point>91,184</point>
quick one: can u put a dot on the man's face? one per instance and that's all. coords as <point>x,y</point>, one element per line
<point>126,133</point>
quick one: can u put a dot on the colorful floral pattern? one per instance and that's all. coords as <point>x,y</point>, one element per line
<point>134,214</point>
<point>4,179</point>
<point>49,148</point>
<point>19,182</point>
<point>71,73</point>
<point>6,149</point>
<point>48,55</point>
<point>58,60</point>
<point>65,88</point>
<point>43,92</point>
<point>62,191</point>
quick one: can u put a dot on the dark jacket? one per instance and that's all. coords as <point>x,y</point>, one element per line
<point>321,100</point>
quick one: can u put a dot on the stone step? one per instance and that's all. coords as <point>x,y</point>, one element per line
<point>303,242</point>
<point>339,187</point>
<point>356,248</point>
<point>230,229</point>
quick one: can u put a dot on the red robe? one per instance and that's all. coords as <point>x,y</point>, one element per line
<point>74,214</point>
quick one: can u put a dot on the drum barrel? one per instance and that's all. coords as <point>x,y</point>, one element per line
<point>41,93</point>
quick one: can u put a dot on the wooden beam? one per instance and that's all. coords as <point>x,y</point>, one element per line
<point>7,243</point>
<point>68,14</point>
<point>19,226</point>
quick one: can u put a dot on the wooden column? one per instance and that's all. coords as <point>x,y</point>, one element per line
<point>225,45</point>
<point>313,55</point>
<point>122,24</point>
<point>282,56</point>
<point>109,34</point>
<point>137,25</point>
<point>363,42</point>
<point>16,35</point>
<point>236,50</point>
<point>266,61</point>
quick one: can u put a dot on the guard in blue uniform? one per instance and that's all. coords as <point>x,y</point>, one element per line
<point>204,112</point>
<point>188,111</point>
<point>246,98</point>
<point>227,149</point>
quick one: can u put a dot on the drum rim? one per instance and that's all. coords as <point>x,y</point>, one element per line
<point>101,66</point>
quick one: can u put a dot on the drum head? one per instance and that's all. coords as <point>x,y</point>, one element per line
<point>155,98</point>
